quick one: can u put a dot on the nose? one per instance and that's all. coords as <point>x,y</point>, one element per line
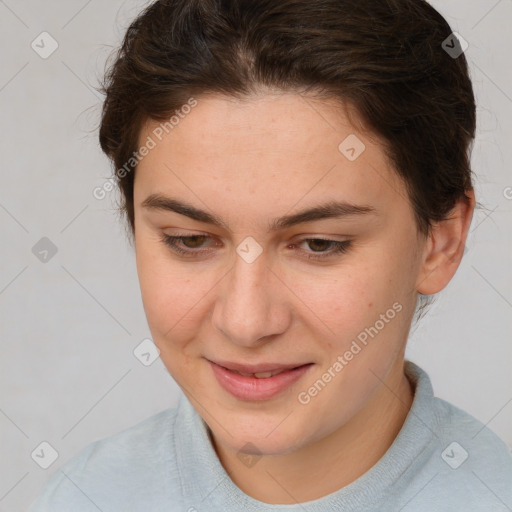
<point>251,304</point>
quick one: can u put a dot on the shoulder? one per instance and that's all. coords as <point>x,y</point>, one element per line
<point>119,471</point>
<point>461,463</point>
<point>486,450</point>
<point>470,464</point>
<point>484,444</point>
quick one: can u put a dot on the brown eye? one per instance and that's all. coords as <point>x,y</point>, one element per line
<point>319,244</point>
<point>196,241</point>
<point>322,248</point>
<point>186,245</point>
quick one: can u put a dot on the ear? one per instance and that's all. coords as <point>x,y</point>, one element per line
<point>445,247</point>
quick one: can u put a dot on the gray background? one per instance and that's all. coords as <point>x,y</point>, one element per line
<point>69,325</point>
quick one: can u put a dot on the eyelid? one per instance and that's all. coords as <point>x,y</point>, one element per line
<point>340,246</point>
<point>301,237</point>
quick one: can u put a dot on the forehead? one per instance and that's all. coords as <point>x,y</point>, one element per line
<point>268,152</point>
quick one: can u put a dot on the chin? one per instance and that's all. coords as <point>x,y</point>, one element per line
<point>254,433</point>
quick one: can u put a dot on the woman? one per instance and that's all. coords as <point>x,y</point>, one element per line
<point>296,178</point>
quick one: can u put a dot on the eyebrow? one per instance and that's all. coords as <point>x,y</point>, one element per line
<point>329,210</point>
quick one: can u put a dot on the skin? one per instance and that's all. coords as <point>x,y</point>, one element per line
<point>249,161</point>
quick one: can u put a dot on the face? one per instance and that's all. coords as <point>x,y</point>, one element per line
<point>317,305</point>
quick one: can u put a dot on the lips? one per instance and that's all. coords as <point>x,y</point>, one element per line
<point>260,375</point>
<point>257,382</point>
<point>251,370</point>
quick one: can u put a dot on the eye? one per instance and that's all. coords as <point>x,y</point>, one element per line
<point>320,248</point>
<point>191,245</point>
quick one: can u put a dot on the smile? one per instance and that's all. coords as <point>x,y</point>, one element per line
<point>256,383</point>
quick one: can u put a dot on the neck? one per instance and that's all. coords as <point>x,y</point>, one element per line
<point>336,460</point>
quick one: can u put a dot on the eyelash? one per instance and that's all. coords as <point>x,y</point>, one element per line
<point>340,247</point>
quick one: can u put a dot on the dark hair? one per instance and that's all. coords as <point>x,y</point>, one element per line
<point>383,57</point>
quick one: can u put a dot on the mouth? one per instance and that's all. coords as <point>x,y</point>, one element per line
<point>257,382</point>
<point>260,375</point>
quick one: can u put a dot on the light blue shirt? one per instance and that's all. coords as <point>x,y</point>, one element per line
<point>443,459</point>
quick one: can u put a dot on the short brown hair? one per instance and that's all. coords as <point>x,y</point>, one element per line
<point>383,57</point>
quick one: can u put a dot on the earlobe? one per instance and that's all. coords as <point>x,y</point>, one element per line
<point>445,247</point>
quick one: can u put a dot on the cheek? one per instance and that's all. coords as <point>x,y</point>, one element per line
<point>165,290</point>
<point>176,297</point>
<point>349,299</point>
<point>335,303</point>
<point>365,313</point>
<point>368,322</point>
